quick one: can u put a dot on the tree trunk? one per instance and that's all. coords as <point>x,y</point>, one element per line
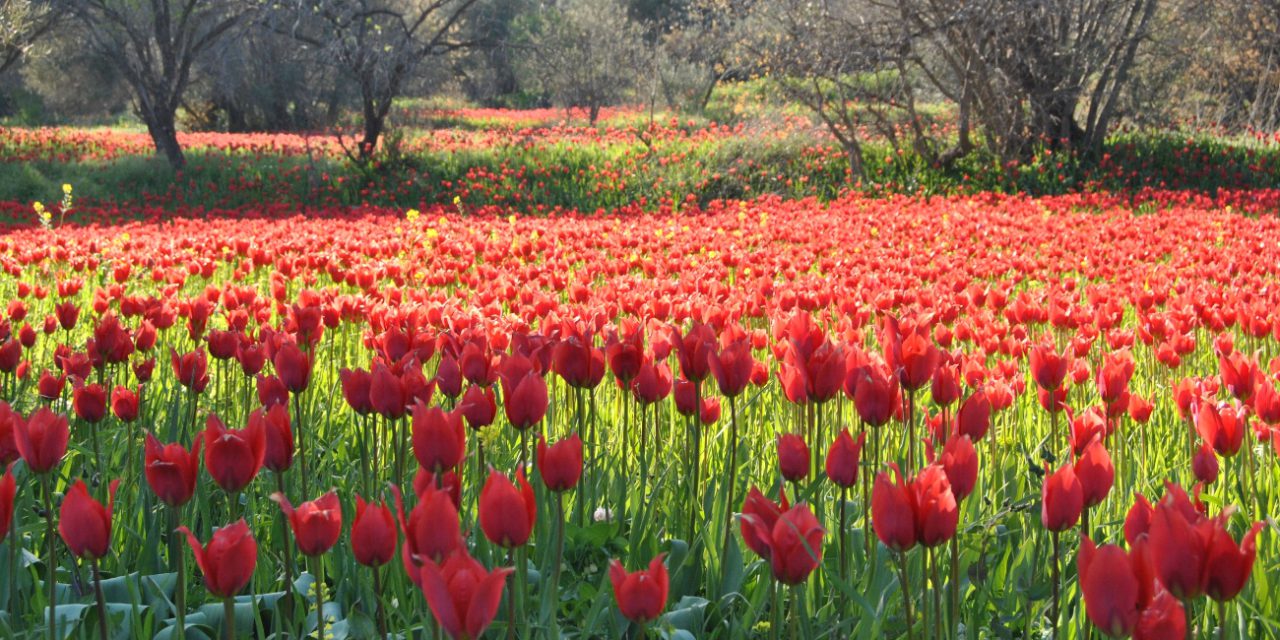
<point>373,122</point>
<point>164,133</point>
<point>853,151</point>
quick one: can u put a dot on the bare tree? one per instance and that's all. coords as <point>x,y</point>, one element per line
<point>1042,72</point>
<point>1019,74</point>
<point>699,50</point>
<point>847,63</point>
<point>376,43</point>
<point>154,44</point>
<point>22,24</point>
<point>586,53</point>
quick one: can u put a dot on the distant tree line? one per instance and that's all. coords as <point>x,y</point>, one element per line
<point>1011,76</point>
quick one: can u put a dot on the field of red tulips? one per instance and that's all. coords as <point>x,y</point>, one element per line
<point>904,417</point>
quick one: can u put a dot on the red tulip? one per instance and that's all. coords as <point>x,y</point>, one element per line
<point>9,422</point>
<point>1095,472</point>
<point>1177,537</point>
<point>642,595</point>
<point>431,532</point>
<point>1048,367</point>
<point>8,490</point>
<point>625,355</point>
<point>934,504</point>
<point>373,533</point>
<point>1266,401</point>
<point>1204,464</point>
<point>1239,374</point>
<point>439,439</point>
<point>89,402</point>
<point>945,388</point>
<point>1163,619</point>
<point>356,384</point>
<point>764,511</point>
<point>293,366</point>
<point>271,391</point>
<point>49,386</point>
<point>449,376</point>
<point>791,544</point>
<point>560,465</point>
<point>386,392</point>
<point>1222,426</point>
<point>233,458</point>
<point>578,362</point>
<point>524,397</point>
<point>960,462</point>
<point>915,358</point>
<point>1085,428</point>
<point>84,524</point>
<point>1140,409</point>
<point>124,404</point>
<point>171,470</point>
<point>507,514</point>
<point>462,596</point>
<point>893,511</point>
<point>424,480</point>
<point>1114,375</point>
<point>1062,499</point>
<point>732,367</point>
<point>692,350</point>
<point>793,457</point>
<point>844,457</point>
<point>1228,565</point>
<point>1138,521</point>
<point>478,406</point>
<point>191,369</point>
<point>228,560</point>
<point>876,397</point>
<point>278,436</point>
<point>42,440</point>
<point>973,419</point>
<point>652,382</point>
<point>1112,583</point>
<point>316,524</point>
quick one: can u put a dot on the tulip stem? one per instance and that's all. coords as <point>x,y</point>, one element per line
<point>554,592</point>
<point>13,559</point>
<point>177,561</point>
<point>364,454</point>
<point>301,430</point>
<point>286,604</point>
<point>953,607</point>
<point>1054,614</point>
<point>843,533</point>
<point>52,579</point>
<point>381,615</point>
<point>102,601</point>
<point>1222,620</point>
<point>937,592</point>
<point>906,594</point>
<point>777,610</point>
<point>229,618</point>
<point>733,473</point>
<point>318,563</point>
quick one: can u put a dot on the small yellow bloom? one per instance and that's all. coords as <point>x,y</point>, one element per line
<point>432,233</point>
<point>66,188</point>
<point>412,215</point>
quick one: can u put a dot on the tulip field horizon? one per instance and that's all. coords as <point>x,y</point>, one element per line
<point>828,413</point>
